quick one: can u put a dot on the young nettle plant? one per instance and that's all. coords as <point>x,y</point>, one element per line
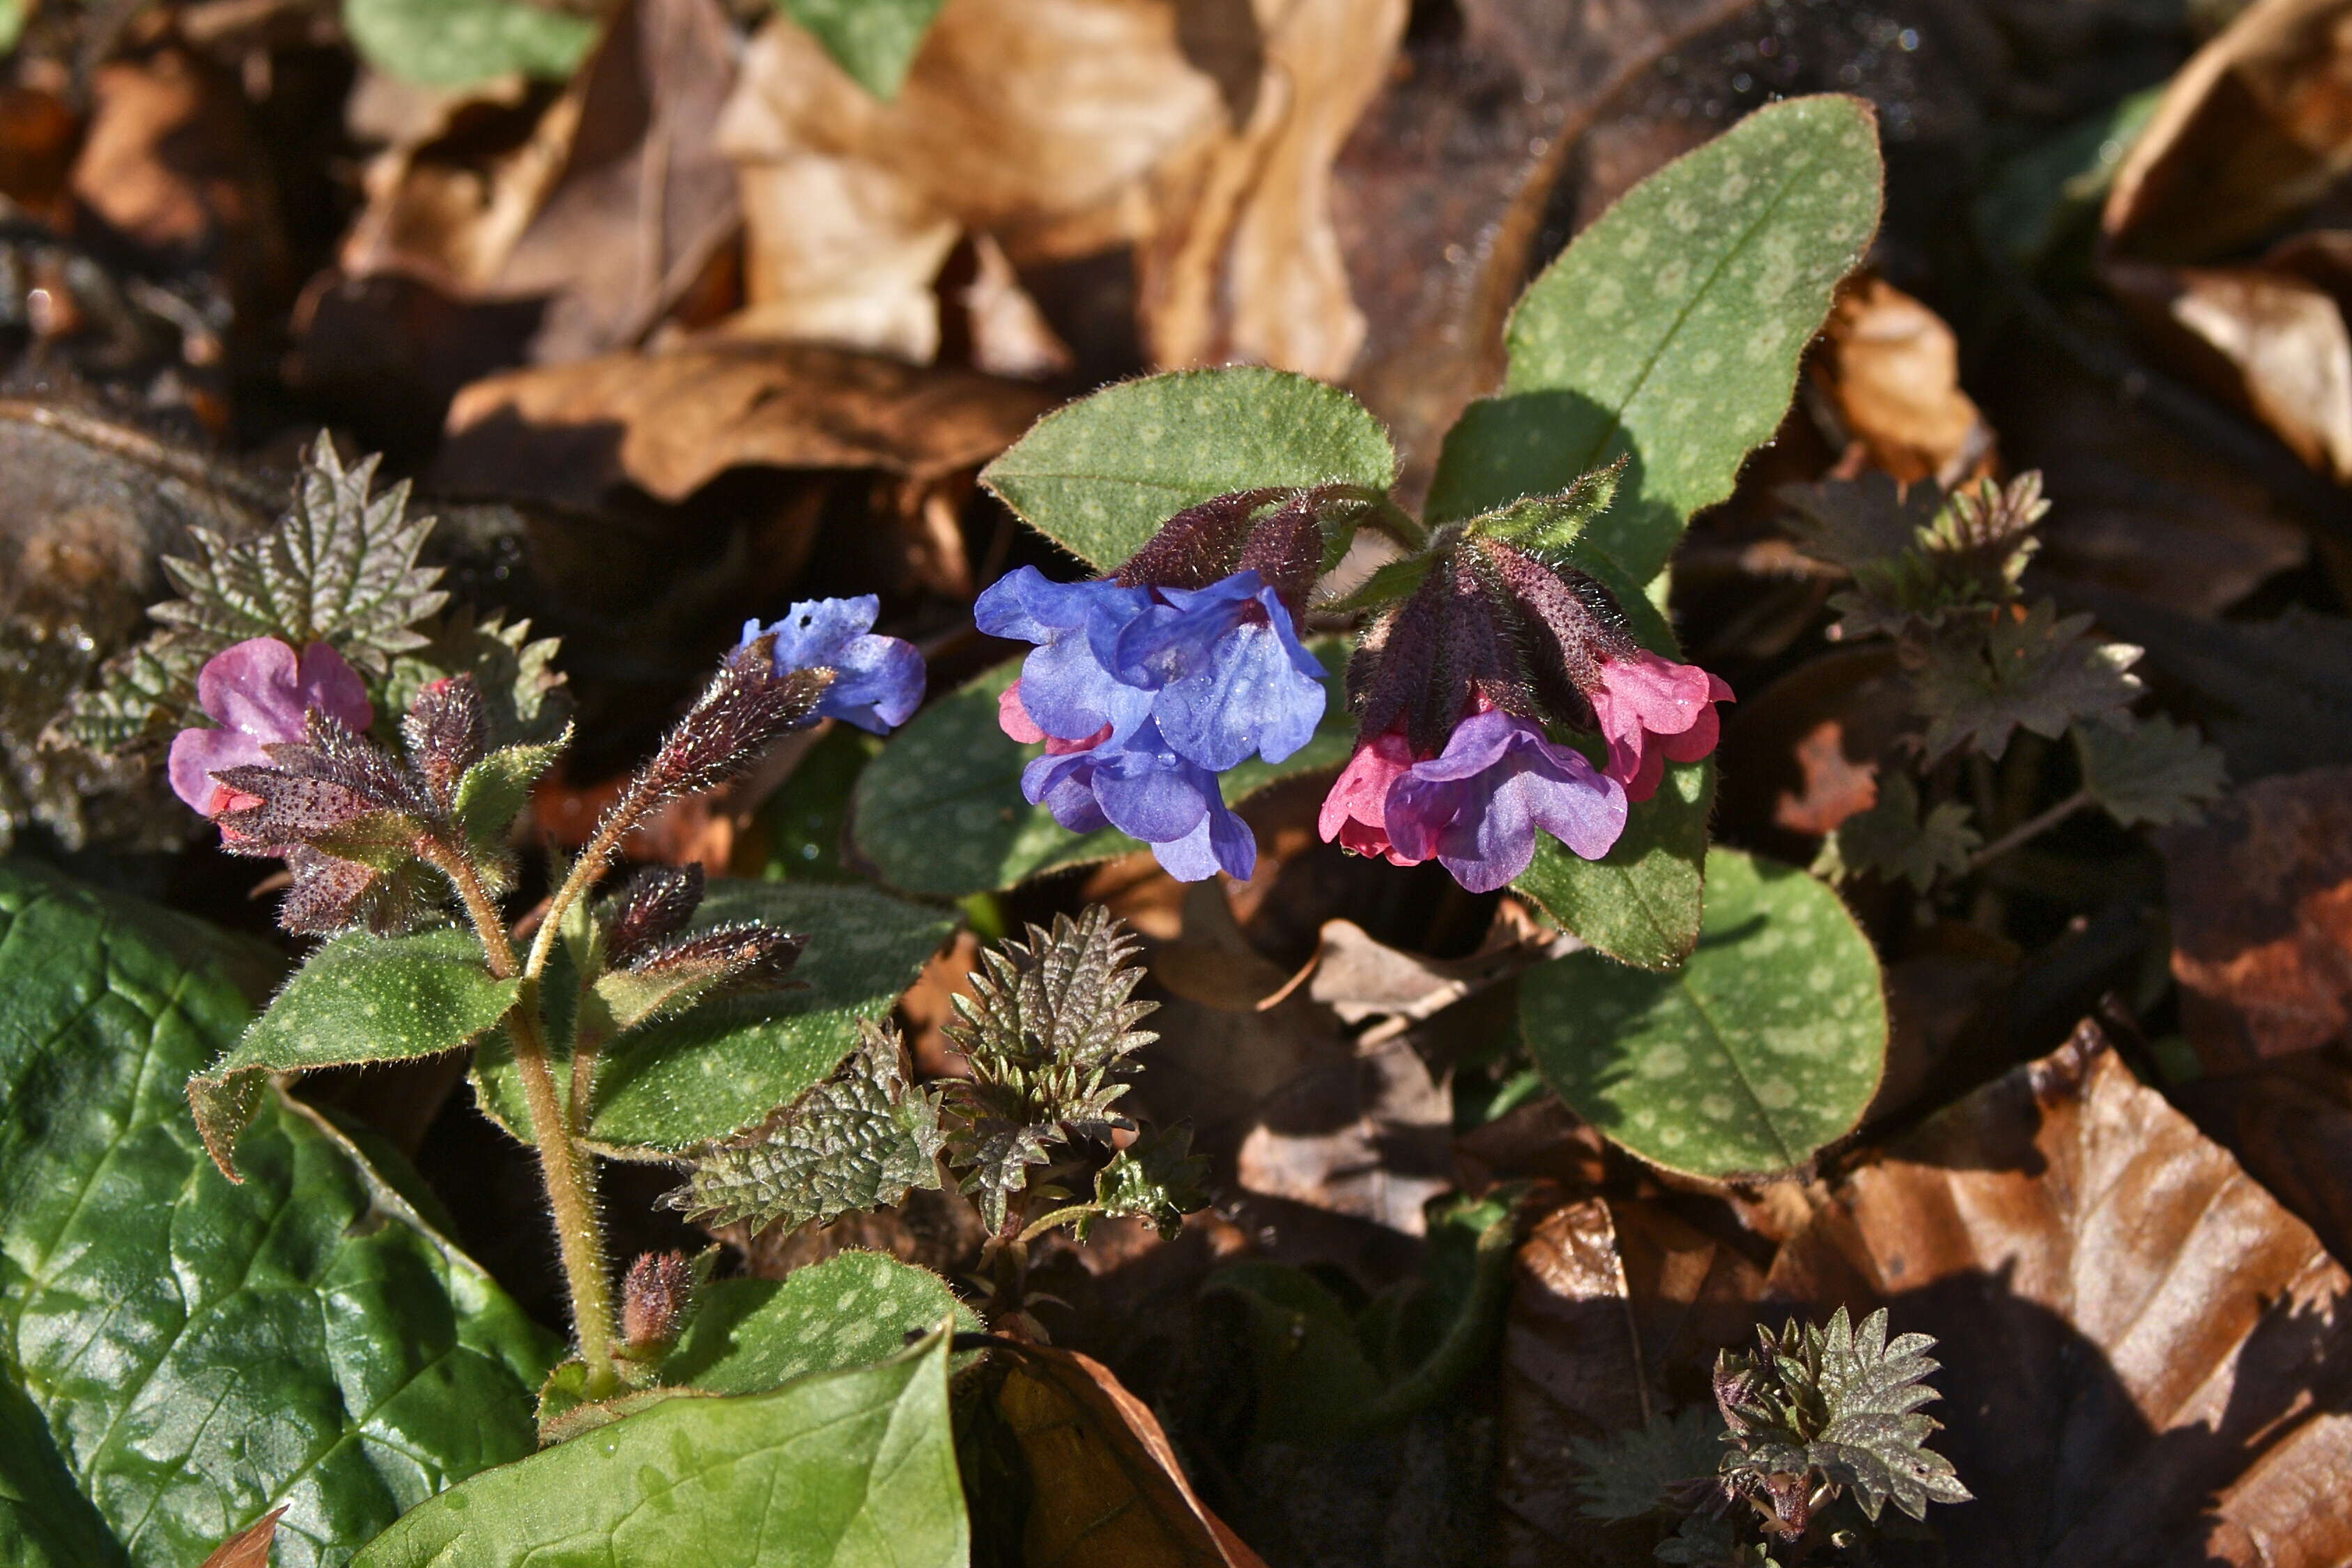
<point>388,842</point>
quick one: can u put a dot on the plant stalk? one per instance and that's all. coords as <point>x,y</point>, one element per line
<point>570,1174</point>
<point>584,871</point>
<point>2032,828</point>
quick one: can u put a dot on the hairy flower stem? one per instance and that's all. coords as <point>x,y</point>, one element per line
<point>594,857</point>
<point>565,1167</point>
<point>1067,1213</point>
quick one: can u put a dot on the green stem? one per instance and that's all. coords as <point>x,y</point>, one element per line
<point>569,1172</point>
<point>586,869</point>
<point>2032,828</point>
<point>1465,1341</point>
<point>1063,1216</point>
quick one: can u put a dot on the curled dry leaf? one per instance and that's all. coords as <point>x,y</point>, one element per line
<point>671,422</point>
<point>250,1547</point>
<point>1890,368</point>
<point>1617,1309</point>
<point>1105,1488</point>
<point>2261,894</point>
<point>2146,1358</point>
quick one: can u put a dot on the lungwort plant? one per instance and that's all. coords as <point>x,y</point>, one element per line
<point>1490,688</point>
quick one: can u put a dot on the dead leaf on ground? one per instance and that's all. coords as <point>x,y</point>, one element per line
<point>670,422</point>
<point>2146,1358</point>
<point>1617,1309</point>
<point>250,1547</point>
<point>1803,754</point>
<point>1359,977</point>
<point>1890,368</point>
<point>2253,130</point>
<point>2261,894</point>
<point>2290,1124</point>
<point>1105,1488</point>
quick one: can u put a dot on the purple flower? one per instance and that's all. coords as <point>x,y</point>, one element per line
<point>1231,675</point>
<point>1145,788</point>
<point>1067,686</point>
<point>1478,805</point>
<point>877,681</point>
<point>261,693</point>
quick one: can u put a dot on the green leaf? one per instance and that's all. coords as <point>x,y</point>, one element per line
<point>361,998</point>
<point>1669,331</point>
<point>1099,476</point>
<point>1628,1472</point>
<point>849,1469</point>
<point>1158,1177</point>
<point>859,1141</point>
<point>1891,839</point>
<point>852,1310</point>
<point>724,1065</point>
<point>11,22</point>
<point>177,1355</point>
<point>524,696</point>
<point>1765,1047</point>
<point>805,819</point>
<point>1312,1378</point>
<point>2149,771</point>
<point>1640,903</point>
<point>873,40</point>
<point>456,43</point>
<point>493,792</point>
<point>940,812</point>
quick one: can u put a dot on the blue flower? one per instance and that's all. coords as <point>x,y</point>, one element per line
<point>1231,673</point>
<point>1142,786</point>
<point>1068,685</point>
<point>877,681</point>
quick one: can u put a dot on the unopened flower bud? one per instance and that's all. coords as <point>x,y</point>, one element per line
<point>446,729</point>
<point>654,1300</point>
<point>651,907</point>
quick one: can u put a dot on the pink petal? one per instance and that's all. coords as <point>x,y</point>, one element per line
<point>325,682</point>
<point>253,687</point>
<point>1661,696</point>
<point>1354,814</point>
<point>197,755</point>
<point>1014,719</point>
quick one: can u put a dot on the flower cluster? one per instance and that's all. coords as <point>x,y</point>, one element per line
<point>1454,690</point>
<point>1146,686</point>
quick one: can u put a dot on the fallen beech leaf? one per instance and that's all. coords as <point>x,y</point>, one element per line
<point>1804,755</point>
<point>1105,1488</point>
<point>2261,895</point>
<point>2253,130</point>
<point>2290,1124</point>
<point>670,422</point>
<point>250,1547</point>
<point>1617,1309</point>
<point>2146,1358</point>
<point>1359,977</point>
<point>1891,368</point>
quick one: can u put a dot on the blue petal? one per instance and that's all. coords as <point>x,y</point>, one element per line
<point>1170,641</point>
<point>1149,793</point>
<point>1068,694</point>
<point>1222,842</point>
<point>1027,605</point>
<point>1248,696</point>
<point>877,684</point>
<point>1063,785</point>
<point>815,631</point>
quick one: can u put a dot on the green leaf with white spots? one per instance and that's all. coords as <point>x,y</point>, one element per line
<point>724,1064</point>
<point>845,1469</point>
<point>361,998</point>
<point>1099,476</point>
<point>1762,1049</point>
<point>456,43</point>
<point>178,1355</point>
<point>852,1310</point>
<point>1640,903</point>
<point>1668,332</point>
<point>873,40</point>
<point>940,812</point>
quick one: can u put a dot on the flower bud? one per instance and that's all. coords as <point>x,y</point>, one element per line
<point>651,906</point>
<point>446,729</point>
<point>655,1296</point>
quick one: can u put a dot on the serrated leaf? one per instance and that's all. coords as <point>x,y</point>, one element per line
<point>722,1066</point>
<point>1668,332</point>
<point>340,568</point>
<point>859,1141</point>
<point>850,1470</point>
<point>524,696</point>
<point>456,43</point>
<point>1158,1177</point>
<point>1099,476</point>
<point>940,812</point>
<point>360,998</point>
<point>2035,672</point>
<point>140,697</point>
<point>1891,841</point>
<point>493,792</point>
<point>1765,1047</point>
<point>852,1310</point>
<point>873,40</point>
<point>1626,1474</point>
<point>178,1355</point>
<point>2150,771</point>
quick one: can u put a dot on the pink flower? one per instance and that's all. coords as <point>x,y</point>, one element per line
<point>1478,806</point>
<point>1654,711</point>
<point>1355,813</point>
<point>261,695</point>
<point>1014,721</point>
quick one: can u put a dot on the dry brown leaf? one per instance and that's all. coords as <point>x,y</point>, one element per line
<point>2145,1359</point>
<point>1890,368</point>
<point>1359,977</point>
<point>2261,895</point>
<point>1804,755</point>
<point>1617,1309</point>
<point>1105,1488</point>
<point>250,1547</point>
<point>2290,1124</point>
<point>670,422</point>
<point>2251,130</point>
